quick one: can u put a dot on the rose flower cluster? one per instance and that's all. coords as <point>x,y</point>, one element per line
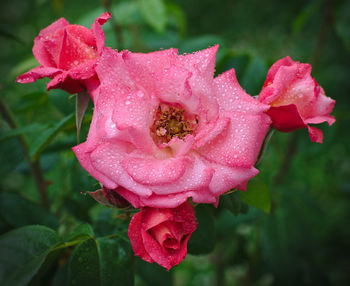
<point>165,132</point>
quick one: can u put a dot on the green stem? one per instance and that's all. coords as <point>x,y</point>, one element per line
<point>68,244</point>
<point>264,145</point>
<point>34,165</point>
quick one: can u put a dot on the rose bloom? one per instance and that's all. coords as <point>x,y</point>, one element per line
<point>164,130</point>
<point>161,235</point>
<point>296,99</point>
<point>67,54</point>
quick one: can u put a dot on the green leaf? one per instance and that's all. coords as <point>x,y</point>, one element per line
<point>22,252</point>
<point>178,16</point>
<point>82,102</point>
<point>127,13</point>
<point>202,240</point>
<point>18,211</point>
<point>82,231</point>
<point>254,76</point>
<point>310,9</point>
<point>48,136</point>
<point>257,194</point>
<point>23,67</point>
<point>102,261</point>
<point>342,23</point>
<point>233,202</point>
<point>154,13</point>
<point>153,274</point>
<point>61,276</point>
<point>35,127</point>
<point>10,35</point>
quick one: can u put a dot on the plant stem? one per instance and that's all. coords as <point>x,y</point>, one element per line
<point>291,151</point>
<point>33,164</point>
<point>264,145</point>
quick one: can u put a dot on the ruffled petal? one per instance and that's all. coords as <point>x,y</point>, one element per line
<point>202,61</point>
<point>148,170</point>
<point>227,178</point>
<point>97,31</point>
<point>78,46</point>
<point>112,70</point>
<point>155,216</point>
<point>172,86</point>
<point>231,96</point>
<point>83,154</point>
<point>133,112</point>
<point>316,135</point>
<point>38,73</point>
<point>48,42</point>
<point>106,160</point>
<point>286,118</point>
<point>240,143</point>
<point>134,233</point>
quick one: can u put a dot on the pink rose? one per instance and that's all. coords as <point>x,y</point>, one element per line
<point>295,98</point>
<point>161,235</point>
<point>67,54</point>
<point>164,129</point>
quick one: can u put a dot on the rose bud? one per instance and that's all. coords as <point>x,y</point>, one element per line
<point>295,98</point>
<point>67,54</point>
<point>161,235</point>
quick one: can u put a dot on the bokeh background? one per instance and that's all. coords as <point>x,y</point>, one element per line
<point>304,240</point>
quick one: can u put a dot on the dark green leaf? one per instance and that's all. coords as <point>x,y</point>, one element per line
<point>257,194</point>
<point>82,231</point>
<point>233,202</point>
<point>342,23</point>
<point>82,102</point>
<point>61,276</point>
<point>11,36</point>
<point>102,261</point>
<point>22,252</point>
<point>18,211</point>
<point>154,13</point>
<point>35,127</point>
<point>202,240</point>
<point>254,76</point>
<point>302,18</point>
<point>126,13</point>
<point>23,66</point>
<point>153,274</point>
<point>177,15</point>
<point>47,136</point>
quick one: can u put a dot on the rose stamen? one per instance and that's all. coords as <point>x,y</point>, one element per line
<point>172,122</point>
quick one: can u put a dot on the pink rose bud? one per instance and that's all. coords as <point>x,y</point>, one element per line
<point>161,235</point>
<point>67,54</point>
<point>295,98</point>
<point>164,129</point>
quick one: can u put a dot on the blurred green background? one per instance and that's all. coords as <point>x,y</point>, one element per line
<point>304,240</point>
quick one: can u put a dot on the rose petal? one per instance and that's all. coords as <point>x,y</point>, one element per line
<point>234,146</point>
<point>286,118</point>
<point>148,170</point>
<point>97,31</point>
<point>38,73</point>
<point>48,42</point>
<point>134,233</point>
<point>231,96</point>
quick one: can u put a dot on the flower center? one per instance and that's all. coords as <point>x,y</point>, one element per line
<point>171,121</point>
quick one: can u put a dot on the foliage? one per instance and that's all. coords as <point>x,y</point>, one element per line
<point>305,188</point>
